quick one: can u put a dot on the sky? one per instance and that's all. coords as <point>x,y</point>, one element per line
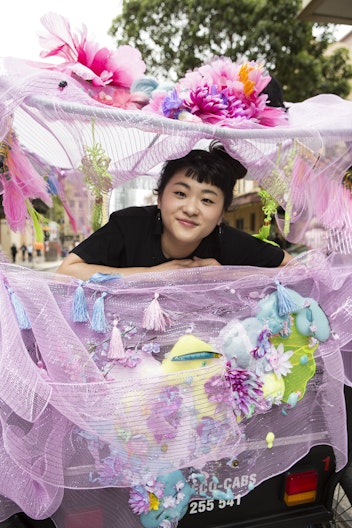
<point>20,22</point>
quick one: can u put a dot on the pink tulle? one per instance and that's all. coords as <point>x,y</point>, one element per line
<point>31,183</point>
<point>14,204</point>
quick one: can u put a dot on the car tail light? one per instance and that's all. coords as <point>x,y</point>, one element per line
<point>301,487</point>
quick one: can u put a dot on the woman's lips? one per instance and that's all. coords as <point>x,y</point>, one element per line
<point>187,223</point>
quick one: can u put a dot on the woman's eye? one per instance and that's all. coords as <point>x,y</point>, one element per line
<point>180,193</point>
<point>207,201</point>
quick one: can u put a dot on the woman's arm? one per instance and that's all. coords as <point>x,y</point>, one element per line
<point>286,259</point>
<point>74,266</point>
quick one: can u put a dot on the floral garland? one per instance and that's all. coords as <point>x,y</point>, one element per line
<point>222,93</point>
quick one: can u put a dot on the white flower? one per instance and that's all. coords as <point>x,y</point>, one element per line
<point>279,360</point>
<point>169,502</point>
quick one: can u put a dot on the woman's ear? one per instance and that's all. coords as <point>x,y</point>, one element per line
<point>221,218</point>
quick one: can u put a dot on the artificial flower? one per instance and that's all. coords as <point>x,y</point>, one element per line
<point>221,92</point>
<point>279,360</point>
<point>164,418</point>
<point>109,470</point>
<point>263,344</point>
<point>139,500</point>
<point>100,67</point>
<point>246,389</point>
<point>156,487</point>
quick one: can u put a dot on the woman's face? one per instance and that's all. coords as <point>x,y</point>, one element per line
<point>190,211</point>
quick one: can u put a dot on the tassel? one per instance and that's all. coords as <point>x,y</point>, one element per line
<point>116,349</point>
<point>103,277</point>
<point>154,318</point>
<point>98,317</point>
<point>21,315</point>
<point>79,312</point>
<point>285,304</point>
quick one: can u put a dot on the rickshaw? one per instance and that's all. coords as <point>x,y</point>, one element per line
<point>106,419</point>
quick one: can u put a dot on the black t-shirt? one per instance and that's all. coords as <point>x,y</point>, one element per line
<point>132,238</point>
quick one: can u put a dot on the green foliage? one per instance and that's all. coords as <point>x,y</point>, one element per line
<point>175,36</point>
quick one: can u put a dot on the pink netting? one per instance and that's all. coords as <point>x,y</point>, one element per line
<point>292,162</point>
<point>75,419</point>
<point>90,409</point>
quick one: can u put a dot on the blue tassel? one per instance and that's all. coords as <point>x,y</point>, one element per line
<point>103,277</point>
<point>284,302</point>
<point>98,317</point>
<point>23,321</point>
<point>79,312</point>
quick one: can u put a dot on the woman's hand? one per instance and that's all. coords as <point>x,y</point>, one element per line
<point>202,262</point>
<point>194,262</point>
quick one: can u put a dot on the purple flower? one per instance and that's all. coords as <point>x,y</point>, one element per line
<point>172,104</point>
<point>131,359</point>
<point>211,431</point>
<point>156,487</point>
<point>246,388</point>
<point>109,471</point>
<point>151,348</point>
<point>164,417</point>
<point>139,500</point>
<point>263,344</point>
<point>217,390</point>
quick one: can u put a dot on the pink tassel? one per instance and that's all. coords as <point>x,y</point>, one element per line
<point>154,318</point>
<point>116,349</point>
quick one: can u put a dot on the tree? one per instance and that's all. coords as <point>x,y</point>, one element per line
<point>175,36</point>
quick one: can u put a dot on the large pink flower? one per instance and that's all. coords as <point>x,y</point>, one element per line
<point>84,58</point>
<point>223,93</point>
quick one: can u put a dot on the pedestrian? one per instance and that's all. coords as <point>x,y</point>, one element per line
<point>13,252</point>
<point>23,251</point>
<point>184,230</point>
<point>30,253</point>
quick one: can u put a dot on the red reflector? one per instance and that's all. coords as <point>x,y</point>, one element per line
<point>301,482</point>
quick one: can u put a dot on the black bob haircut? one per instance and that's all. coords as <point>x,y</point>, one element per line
<point>214,166</point>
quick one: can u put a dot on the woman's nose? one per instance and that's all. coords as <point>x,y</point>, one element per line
<point>190,207</point>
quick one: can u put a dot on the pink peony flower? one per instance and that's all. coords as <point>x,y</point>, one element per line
<point>84,58</point>
<point>220,92</point>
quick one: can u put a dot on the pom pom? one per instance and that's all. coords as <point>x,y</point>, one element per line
<point>116,349</point>
<point>144,84</point>
<point>23,321</point>
<point>154,318</point>
<point>79,312</point>
<point>98,317</point>
<point>284,302</point>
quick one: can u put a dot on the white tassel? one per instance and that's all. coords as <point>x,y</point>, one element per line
<point>116,348</point>
<point>154,318</point>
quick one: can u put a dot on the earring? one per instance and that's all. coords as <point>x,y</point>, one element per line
<point>220,229</point>
<point>158,216</point>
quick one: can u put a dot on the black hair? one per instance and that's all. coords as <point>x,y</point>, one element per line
<point>215,167</point>
<point>275,93</point>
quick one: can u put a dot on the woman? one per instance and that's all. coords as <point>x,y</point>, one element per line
<point>184,230</point>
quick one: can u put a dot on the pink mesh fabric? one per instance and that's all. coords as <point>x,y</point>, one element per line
<point>55,124</point>
<point>79,428</point>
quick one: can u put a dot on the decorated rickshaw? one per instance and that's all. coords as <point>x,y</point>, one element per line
<point>184,398</point>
